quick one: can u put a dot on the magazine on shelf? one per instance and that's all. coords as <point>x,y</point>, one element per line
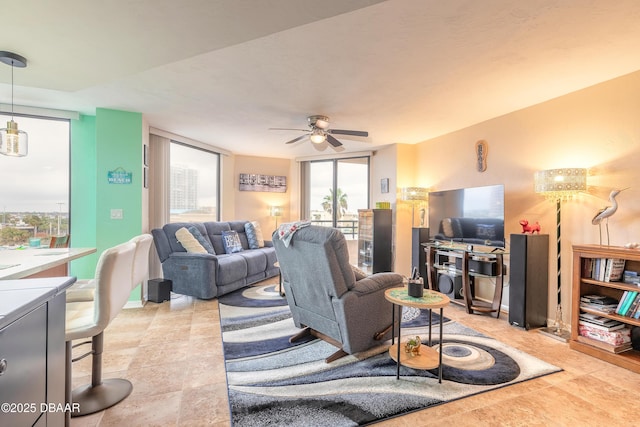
<point>605,346</point>
<point>599,299</point>
<point>610,327</point>
<point>621,336</point>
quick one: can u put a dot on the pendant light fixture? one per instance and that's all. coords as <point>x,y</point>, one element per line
<point>13,142</point>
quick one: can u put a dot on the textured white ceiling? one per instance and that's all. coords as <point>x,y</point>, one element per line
<point>223,72</point>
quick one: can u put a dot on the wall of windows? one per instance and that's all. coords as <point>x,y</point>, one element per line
<point>34,195</point>
<point>194,184</point>
<point>335,190</point>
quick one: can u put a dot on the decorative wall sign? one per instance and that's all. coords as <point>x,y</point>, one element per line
<point>119,176</point>
<point>482,149</point>
<point>257,182</point>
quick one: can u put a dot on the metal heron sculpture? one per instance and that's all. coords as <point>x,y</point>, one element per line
<point>607,212</point>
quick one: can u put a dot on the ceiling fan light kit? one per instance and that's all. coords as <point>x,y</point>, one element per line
<point>320,132</point>
<point>318,136</point>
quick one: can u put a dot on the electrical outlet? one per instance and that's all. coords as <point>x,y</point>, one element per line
<point>116,213</point>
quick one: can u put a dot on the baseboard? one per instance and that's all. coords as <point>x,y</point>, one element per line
<point>133,304</point>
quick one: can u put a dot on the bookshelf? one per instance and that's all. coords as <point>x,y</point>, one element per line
<point>584,284</point>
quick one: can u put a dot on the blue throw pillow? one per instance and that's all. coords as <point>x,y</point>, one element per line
<point>254,235</point>
<point>201,239</point>
<point>231,242</point>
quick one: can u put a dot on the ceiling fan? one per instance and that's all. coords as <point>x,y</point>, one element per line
<point>319,132</point>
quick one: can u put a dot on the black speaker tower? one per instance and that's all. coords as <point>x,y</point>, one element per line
<point>529,280</point>
<point>419,235</point>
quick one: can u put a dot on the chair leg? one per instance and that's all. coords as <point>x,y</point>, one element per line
<point>100,394</point>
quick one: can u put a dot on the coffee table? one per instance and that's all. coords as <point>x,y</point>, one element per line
<point>429,358</point>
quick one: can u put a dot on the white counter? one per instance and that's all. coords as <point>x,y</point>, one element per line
<point>20,263</point>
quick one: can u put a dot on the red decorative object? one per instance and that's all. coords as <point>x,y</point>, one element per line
<point>529,228</point>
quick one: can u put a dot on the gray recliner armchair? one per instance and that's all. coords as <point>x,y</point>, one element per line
<point>324,296</point>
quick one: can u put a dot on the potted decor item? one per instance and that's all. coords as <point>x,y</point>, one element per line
<point>412,346</point>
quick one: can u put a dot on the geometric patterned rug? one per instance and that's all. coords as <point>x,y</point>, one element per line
<point>272,382</point>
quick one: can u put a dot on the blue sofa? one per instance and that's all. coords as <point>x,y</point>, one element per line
<point>208,276</point>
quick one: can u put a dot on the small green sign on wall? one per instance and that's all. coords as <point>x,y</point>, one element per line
<point>119,176</point>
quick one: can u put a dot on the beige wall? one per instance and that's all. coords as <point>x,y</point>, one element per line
<point>596,128</point>
<point>254,205</point>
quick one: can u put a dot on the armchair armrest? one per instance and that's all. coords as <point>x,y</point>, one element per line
<point>376,282</point>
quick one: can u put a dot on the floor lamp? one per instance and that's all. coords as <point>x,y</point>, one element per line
<point>558,185</point>
<point>414,195</point>
<point>275,211</point>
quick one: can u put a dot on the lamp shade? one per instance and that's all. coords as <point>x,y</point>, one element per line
<point>560,184</point>
<point>13,142</point>
<point>414,194</point>
<point>275,211</point>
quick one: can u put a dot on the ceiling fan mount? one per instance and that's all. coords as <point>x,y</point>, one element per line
<point>320,132</point>
<point>318,121</point>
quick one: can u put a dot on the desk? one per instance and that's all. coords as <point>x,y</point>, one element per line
<point>38,262</point>
<point>429,358</point>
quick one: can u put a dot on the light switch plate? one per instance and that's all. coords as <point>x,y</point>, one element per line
<point>116,213</point>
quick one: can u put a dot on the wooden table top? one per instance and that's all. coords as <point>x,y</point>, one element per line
<point>430,299</point>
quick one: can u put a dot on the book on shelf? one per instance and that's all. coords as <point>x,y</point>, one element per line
<point>606,327</point>
<point>628,300</point>
<point>618,337</point>
<point>623,298</point>
<point>605,346</point>
<point>634,306</point>
<point>598,299</point>
<point>631,277</point>
<point>614,269</point>
<point>599,307</point>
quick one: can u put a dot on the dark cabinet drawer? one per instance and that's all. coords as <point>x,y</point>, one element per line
<point>23,349</point>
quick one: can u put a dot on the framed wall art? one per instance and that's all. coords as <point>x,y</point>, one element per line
<point>258,182</point>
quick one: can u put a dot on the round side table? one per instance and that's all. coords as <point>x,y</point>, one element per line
<point>429,358</point>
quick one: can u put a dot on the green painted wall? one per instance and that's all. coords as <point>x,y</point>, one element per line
<point>83,193</point>
<point>110,141</point>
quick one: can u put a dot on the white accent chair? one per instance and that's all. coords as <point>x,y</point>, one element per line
<point>140,272</point>
<point>84,290</point>
<point>113,282</point>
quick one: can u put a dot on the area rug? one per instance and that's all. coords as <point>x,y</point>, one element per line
<point>274,383</point>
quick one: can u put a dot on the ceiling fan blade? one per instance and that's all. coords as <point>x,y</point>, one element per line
<point>331,140</point>
<point>301,130</point>
<point>296,139</point>
<point>348,132</point>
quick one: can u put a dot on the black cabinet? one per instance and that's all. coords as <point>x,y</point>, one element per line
<point>528,280</point>
<point>374,240</point>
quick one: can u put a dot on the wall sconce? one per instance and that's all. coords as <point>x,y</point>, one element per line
<point>559,185</point>
<point>275,211</point>
<point>13,142</point>
<point>414,195</point>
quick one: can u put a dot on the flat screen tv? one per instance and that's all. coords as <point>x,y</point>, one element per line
<point>474,216</point>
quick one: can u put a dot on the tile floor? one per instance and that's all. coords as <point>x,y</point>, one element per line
<point>172,354</point>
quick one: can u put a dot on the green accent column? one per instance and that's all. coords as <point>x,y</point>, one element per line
<point>112,140</point>
<point>83,194</point>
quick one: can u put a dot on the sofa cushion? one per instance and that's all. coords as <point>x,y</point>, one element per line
<point>254,235</point>
<point>189,242</point>
<point>256,261</point>
<point>201,239</point>
<point>231,241</point>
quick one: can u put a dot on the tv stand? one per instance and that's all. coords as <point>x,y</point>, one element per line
<point>469,263</point>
